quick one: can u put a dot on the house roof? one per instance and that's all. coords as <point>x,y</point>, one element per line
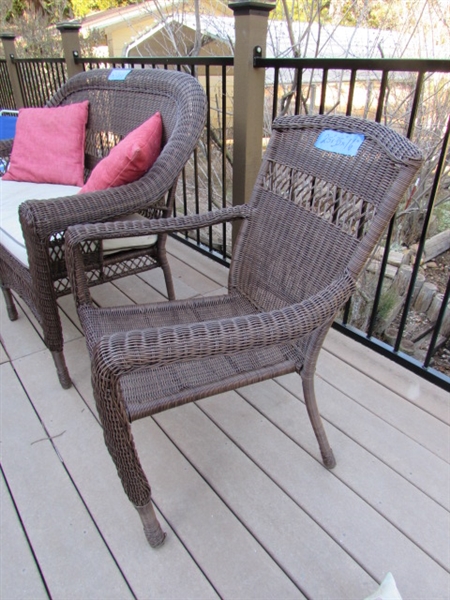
<point>114,16</point>
<point>325,41</point>
<point>215,28</point>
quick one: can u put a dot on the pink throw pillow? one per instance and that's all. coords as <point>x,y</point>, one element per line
<point>49,145</point>
<point>130,159</point>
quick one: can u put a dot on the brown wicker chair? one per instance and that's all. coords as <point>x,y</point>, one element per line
<point>115,108</point>
<point>307,232</point>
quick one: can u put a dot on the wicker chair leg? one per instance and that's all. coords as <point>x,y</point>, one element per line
<point>169,284</point>
<point>168,278</point>
<point>152,529</point>
<point>310,399</point>
<point>61,369</point>
<point>10,306</point>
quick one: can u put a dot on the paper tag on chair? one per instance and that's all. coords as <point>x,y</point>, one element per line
<point>339,142</point>
<point>118,74</point>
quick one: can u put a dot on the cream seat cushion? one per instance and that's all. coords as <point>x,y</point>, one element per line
<point>13,193</point>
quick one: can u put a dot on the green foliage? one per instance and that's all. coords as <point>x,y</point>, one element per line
<point>306,11</point>
<point>18,8</point>
<point>31,23</point>
<point>81,8</point>
<point>388,300</point>
<point>442,213</point>
<point>374,14</point>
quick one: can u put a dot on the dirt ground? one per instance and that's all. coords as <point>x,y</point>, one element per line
<point>438,271</point>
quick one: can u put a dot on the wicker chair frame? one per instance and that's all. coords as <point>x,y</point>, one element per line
<point>115,109</point>
<point>312,222</point>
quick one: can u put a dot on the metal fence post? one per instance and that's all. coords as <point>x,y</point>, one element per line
<point>71,46</point>
<point>10,53</point>
<point>248,111</point>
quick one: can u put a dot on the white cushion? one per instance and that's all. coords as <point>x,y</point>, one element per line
<point>13,193</point>
<point>142,241</point>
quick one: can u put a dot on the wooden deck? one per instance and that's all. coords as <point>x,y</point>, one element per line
<point>249,510</point>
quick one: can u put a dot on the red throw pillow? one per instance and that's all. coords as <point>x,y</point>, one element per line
<point>130,159</point>
<point>49,145</point>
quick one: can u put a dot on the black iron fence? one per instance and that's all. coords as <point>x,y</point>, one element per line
<point>402,307</point>
<point>7,101</point>
<point>39,79</point>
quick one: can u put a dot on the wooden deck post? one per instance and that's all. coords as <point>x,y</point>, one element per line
<point>248,111</point>
<point>10,52</point>
<point>71,46</point>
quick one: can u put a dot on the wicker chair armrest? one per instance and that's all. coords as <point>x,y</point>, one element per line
<point>76,235</point>
<point>122,353</point>
<point>118,229</point>
<point>5,148</point>
<point>42,218</point>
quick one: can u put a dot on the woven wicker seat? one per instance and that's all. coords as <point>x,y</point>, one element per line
<point>115,109</point>
<point>313,220</point>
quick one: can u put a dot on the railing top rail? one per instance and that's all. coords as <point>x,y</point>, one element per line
<point>38,60</point>
<point>161,60</point>
<point>421,65</point>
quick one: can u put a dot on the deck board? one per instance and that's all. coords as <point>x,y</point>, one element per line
<point>230,556</point>
<point>272,516</point>
<point>19,570</point>
<point>70,551</point>
<point>3,355</point>
<point>328,501</point>
<point>392,376</point>
<point>19,337</point>
<point>85,458</point>
<point>408,508</point>
<point>419,425</point>
<point>237,480</point>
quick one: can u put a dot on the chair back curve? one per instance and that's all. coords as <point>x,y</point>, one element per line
<point>307,202</point>
<point>116,107</point>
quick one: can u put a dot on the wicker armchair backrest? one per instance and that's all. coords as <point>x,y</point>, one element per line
<point>118,107</point>
<point>308,202</point>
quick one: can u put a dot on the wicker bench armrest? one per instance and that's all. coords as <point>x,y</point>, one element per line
<point>5,148</point>
<point>76,235</point>
<point>121,353</point>
<point>43,218</point>
<point>5,154</point>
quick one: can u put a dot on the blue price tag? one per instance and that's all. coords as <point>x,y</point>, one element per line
<point>339,142</point>
<point>118,74</point>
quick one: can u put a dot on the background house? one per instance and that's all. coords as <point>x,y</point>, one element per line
<point>121,27</point>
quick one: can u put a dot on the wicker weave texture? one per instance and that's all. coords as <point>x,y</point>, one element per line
<point>309,228</point>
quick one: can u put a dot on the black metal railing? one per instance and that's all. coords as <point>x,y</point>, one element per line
<point>413,97</point>
<point>407,95</point>
<point>6,94</point>
<point>40,78</point>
